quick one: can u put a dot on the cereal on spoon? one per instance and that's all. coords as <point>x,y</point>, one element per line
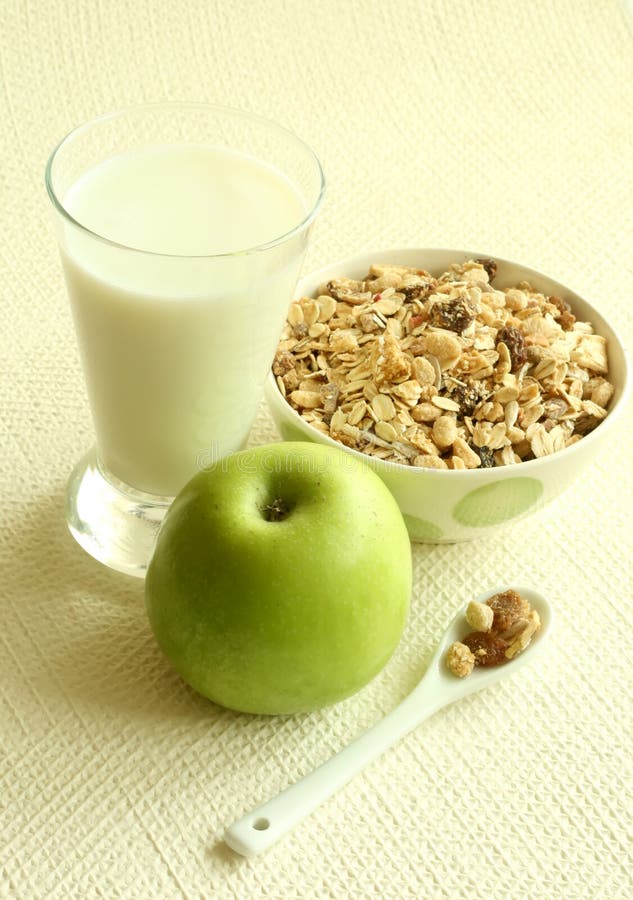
<point>502,628</point>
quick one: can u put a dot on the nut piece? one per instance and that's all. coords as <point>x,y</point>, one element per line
<point>468,456</point>
<point>525,635</point>
<point>460,659</point>
<point>479,616</point>
<point>444,346</point>
<point>444,432</point>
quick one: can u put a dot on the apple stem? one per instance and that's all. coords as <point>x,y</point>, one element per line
<point>277,510</point>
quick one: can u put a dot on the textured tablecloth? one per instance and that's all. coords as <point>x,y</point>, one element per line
<point>494,124</point>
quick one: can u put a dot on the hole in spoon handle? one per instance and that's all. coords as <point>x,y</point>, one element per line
<point>253,834</point>
<point>262,827</point>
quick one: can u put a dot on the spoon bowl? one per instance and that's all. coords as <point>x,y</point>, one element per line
<point>264,826</point>
<point>451,688</point>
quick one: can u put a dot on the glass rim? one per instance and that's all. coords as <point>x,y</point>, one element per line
<point>192,105</point>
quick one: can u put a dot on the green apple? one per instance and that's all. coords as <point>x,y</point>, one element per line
<point>281,578</point>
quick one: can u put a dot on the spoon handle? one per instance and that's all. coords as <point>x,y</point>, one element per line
<point>262,827</point>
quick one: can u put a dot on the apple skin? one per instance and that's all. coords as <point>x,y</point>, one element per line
<point>280,617</point>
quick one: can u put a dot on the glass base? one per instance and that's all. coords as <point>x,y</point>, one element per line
<point>113,522</point>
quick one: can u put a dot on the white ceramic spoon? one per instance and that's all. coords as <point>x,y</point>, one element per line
<point>262,827</point>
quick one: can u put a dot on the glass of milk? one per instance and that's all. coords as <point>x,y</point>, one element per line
<point>182,229</point>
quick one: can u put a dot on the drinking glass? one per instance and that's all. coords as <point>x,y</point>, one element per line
<point>176,332</point>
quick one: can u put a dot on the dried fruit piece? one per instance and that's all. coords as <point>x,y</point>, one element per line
<point>284,362</point>
<point>490,266</point>
<point>455,315</point>
<point>487,648</point>
<point>466,397</point>
<point>290,381</point>
<point>371,323</point>
<point>338,290</point>
<point>515,342</point>
<point>329,393</point>
<point>507,607</point>
<point>416,290</point>
<point>300,330</point>
<point>591,353</point>
<point>565,318</point>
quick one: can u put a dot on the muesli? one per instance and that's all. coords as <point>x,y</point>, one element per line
<point>446,372</point>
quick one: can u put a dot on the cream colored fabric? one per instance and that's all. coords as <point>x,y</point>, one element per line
<point>498,125</point>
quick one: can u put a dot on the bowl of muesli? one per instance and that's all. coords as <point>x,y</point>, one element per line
<point>477,388</point>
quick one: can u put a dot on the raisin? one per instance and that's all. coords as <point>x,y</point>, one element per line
<point>487,648</point>
<point>454,315</point>
<point>490,266</point>
<point>486,455</point>
<point>565,318</point>
<point>515,342</point>
<point>508,607</point>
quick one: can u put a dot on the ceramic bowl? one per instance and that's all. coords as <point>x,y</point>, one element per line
<point>444,506</point>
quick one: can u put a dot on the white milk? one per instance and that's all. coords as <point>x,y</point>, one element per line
<point>176,350</point>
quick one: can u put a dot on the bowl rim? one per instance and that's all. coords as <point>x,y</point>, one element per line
<point>588,440</point>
